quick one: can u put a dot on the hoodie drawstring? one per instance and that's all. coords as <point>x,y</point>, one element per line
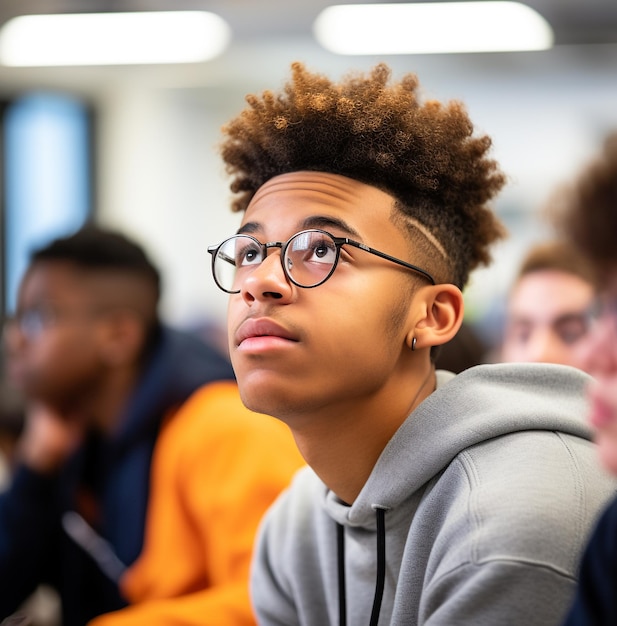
<point>381,564</point>
<point>380,514</point>
<point>342,605</point>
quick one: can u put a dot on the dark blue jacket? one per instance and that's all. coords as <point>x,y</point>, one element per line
<point>595,603</point>
<point>106,483</point>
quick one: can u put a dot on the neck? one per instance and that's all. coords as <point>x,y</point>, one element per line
<point>343,445</point>
<point>114,399</point>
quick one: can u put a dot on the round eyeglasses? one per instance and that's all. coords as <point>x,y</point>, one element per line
<point>308,258</point>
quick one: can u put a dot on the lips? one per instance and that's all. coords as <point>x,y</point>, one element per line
<point>253,328</point>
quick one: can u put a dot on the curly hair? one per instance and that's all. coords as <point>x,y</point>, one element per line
<point>370,129</point>
<point>589,209</point>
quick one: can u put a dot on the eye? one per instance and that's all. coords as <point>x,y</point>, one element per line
<point>571,328</point>
<point>322,250</point>
<point>248,252</point>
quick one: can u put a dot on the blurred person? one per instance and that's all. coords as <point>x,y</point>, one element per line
<point>11,425</point>
<point>546,318</point>
<point>430,498</point>
<point>590,219</point>
<point>140,476</point>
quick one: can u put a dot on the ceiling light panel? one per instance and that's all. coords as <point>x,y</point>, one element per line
<point>432,28</point>
<point>113,38</point>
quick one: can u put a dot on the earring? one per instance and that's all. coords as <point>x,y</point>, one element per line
<point>413,344</point>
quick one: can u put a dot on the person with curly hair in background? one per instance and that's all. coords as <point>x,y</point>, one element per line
<point>589,218</point>
<point>429,498</point>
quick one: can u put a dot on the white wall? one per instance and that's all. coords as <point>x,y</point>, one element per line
<point>162,182</point>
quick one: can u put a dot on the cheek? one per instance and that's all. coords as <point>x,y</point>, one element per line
<point>368,336</point>
<point>62,359</point>
<point>236,313</point>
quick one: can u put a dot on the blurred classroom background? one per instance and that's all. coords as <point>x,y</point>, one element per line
<point>134,145</point>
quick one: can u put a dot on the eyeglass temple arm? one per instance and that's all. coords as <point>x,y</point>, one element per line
<point>383,255</point>
<point>216,252</point>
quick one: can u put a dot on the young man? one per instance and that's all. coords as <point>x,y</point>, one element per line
<point>591,222</point>
<point>547,308</point>
<point>430,498</point>
<point>141,478</point>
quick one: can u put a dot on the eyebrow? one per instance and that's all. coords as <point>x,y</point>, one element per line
<point>563,318</point>
<point>571,317</point>
<point>323,222</point>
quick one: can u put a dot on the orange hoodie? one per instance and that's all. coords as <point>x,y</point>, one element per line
<point>216,468</point>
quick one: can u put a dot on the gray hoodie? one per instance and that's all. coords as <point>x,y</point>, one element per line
<point>475,513</point>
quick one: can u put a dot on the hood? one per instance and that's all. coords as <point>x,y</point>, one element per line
<point>478,404</point>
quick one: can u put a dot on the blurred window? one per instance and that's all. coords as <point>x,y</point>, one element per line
<point>46,178</point>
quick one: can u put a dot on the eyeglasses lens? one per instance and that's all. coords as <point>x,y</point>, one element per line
<point>232,257</point>
<point>309,258</point>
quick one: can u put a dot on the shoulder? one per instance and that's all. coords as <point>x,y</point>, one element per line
<point>190,355</point>
<point>297,508</point>
<point>529,497</point>
<point>528,383</point>
<point>297,522</point>
<point>213,446</point>
<point>538,474</point>
<point>214,418</point>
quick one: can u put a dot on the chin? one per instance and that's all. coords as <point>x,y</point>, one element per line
<point>257,401</point>
<point>265,396</point>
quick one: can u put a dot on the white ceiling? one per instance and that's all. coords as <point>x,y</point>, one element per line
<point>268,34</point>
<point>574,21</point>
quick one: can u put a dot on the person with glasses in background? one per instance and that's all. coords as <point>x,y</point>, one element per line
<point>140,477</point>
<point>589,219</point>
<point>429,498</point>
<point>546,317</point>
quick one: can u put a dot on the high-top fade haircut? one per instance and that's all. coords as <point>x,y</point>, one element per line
<point>378,132</point>
<point>98,251</point>
<point>589,209</point>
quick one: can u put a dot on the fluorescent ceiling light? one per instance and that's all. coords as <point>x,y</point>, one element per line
<point>435,27</point>
<point>113,38</point>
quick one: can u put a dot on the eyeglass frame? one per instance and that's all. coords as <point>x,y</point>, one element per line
<point>30,322</point>
<point>339,242</point>
<point>33,322</point>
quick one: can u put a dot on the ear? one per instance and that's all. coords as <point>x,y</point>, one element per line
<point>122,337</point>
<point>438,314</point>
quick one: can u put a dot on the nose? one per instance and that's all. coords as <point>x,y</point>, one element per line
<point>267,281</point>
